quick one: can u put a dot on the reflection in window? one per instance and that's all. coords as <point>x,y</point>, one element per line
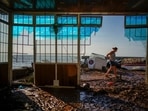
<point>3,16</point>
<point>135,20</point>
<point>49,19</point>
<point>45,44</point>
<point>23,19</point>
<point>3,36</point>
<point>90,24</point>
<point>91,20</point>
<point>136,27</point>
<point>67,19</point>
<point>62,35</point>
<point>56,36</point>
<point>136,34</point>
<point>22,41</point>
<point>67,44</point>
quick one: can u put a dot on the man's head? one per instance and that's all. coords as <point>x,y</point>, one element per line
<point>115,48</point>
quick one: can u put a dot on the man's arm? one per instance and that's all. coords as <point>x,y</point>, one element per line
<point>108,54</point>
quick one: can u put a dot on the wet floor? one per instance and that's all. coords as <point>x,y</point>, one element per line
<point>90,100</point>
<point>77,99</point>
<point>94,94</point>
<point>65,94</point>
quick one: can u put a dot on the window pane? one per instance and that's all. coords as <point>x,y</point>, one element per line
<point>3,37</point>
<point>67,19</point>
<point>23,19</point>
<point>49,19</point>
<point>88,19</point>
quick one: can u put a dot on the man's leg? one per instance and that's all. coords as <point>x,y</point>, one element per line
<point>114,70</point>
<point>107,73</point>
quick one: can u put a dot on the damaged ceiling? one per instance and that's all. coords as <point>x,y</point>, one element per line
<point>123,6</point>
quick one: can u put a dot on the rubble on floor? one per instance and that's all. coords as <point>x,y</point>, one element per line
<point>95,93</point>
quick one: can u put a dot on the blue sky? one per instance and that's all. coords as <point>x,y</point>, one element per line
<point>112,34</point>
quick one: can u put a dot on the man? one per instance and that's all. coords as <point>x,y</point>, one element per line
<point>111,56</point>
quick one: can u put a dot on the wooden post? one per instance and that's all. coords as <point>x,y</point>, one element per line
<point>10,37</point>
<point>146,73</point>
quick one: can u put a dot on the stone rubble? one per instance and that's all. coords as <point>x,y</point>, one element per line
<point>96,94</point>
<point>45,100</point>
<point>131,92</point>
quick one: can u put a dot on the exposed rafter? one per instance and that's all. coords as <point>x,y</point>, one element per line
<point>78,5</point>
